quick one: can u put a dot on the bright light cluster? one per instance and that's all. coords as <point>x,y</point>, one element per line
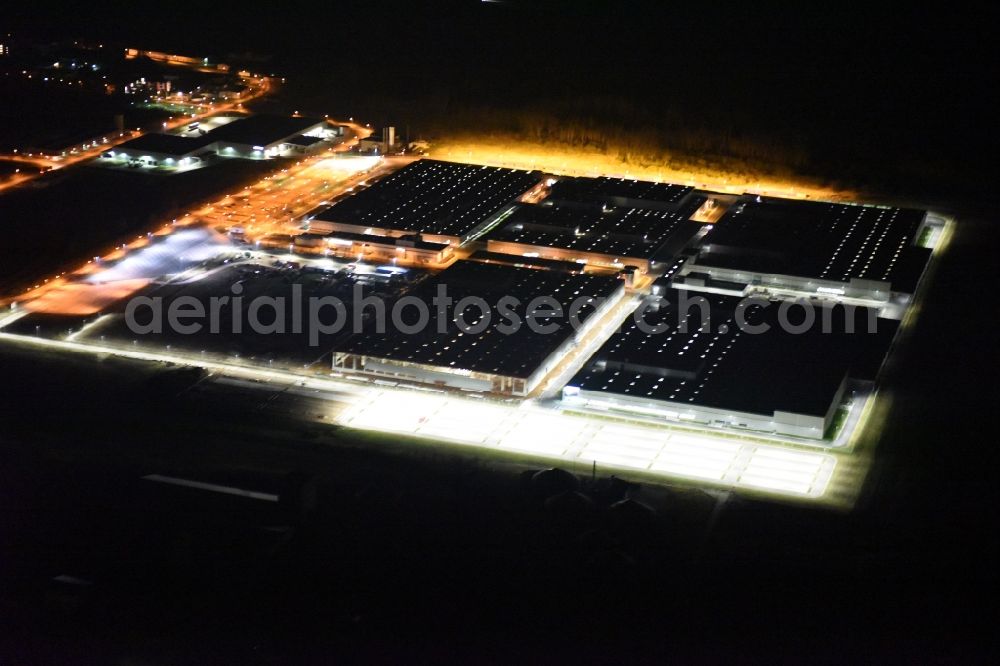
<point>349,165</point>
<point>173,254</point>
<point>552,434</point>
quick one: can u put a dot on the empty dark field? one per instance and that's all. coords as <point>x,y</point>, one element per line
<point>8,169</point>
<point>61,220</point>
<point>37,115</point>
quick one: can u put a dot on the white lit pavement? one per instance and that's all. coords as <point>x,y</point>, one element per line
<point>526,428</point>
<point>579,440</point>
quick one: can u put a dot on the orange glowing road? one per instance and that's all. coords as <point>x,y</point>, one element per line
<point>273,205</point>
<point>83,299</point>
<point>39,161</point>
<point>276,203</point>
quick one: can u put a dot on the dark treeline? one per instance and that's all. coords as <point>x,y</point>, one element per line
<point>635,135</point>
<point>888,99</point>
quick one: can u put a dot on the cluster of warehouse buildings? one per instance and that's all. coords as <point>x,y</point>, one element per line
<point>708,362</point>
<point>603,223</point>
<point>583,237</point>
<point>599,236</point>
<point>860,252</point>
<point>504,346</point>
<point>258,136</point>
<point>417,216</point>
<point>829,281</point>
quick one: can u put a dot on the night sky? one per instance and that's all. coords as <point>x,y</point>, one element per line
<point>893,99</point>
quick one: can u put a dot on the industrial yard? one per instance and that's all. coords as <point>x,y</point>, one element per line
<point>568,294</point>
<point>495,332</point>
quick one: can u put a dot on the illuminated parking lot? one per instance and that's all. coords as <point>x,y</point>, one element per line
<point>551,434</point>
<point>658,452</point>
<point>697,457</point>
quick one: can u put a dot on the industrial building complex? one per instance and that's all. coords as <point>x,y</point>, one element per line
<point>821,248</point>
<point>623,192</point>
<point>607,223</point>
<point>496,349</point>
<point>445,202</point>
<point>688,311</point>
<point>602,236</point>
<point>858,264</point>
<point>253,137</point>
<point>695,361</point>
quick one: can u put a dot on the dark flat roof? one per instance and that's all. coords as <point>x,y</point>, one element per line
<point>487,257</point>
<point>166,144</point>
<point>518,354</point>
<point>259,130</point>
<point>262,129</point>
<point>618,191</point>
<point>303,140</point>
<point>818,240</point>
<point>626,232</point>
<point>434,197</point>
<point>730,369</point>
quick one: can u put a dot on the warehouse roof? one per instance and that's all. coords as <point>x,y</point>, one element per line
<point>725,367</point>
<point>513,354</point>
<point>625,232</point>
<point>165,144</point>
<point>434,197</point>
<point>263,129</point>
<point>818,240</point>
<point>303,140</point>
<point>618,191</point>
